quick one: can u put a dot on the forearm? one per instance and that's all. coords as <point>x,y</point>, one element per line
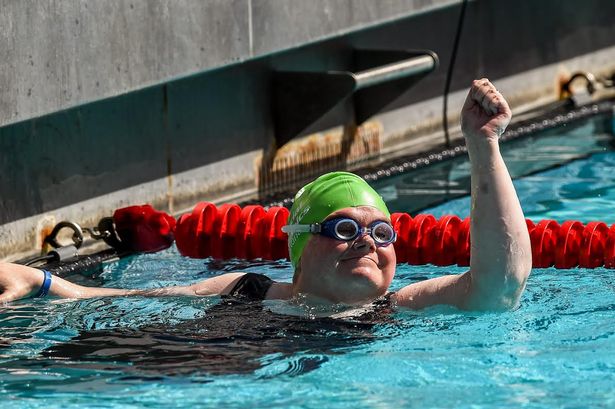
<point>213,286</point>
<point>501,251</point>
<point>33,279</point>
<point>19,281</point>
<point>65,289</point>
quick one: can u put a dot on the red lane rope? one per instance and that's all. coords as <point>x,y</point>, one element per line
<point>229,231</point>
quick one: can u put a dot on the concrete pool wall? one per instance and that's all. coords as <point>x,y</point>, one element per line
<point>107,104</point>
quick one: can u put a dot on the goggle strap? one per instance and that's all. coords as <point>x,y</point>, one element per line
<point>301,228</point>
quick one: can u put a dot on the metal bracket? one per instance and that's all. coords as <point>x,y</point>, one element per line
<point>379,77</point>
<point>579,98</point>
<point>77,236</point>
<point>105,230</point>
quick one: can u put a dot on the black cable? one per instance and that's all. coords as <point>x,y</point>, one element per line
<point>449,74</point>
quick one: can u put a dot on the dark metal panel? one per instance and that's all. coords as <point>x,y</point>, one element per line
<point>80,153</point>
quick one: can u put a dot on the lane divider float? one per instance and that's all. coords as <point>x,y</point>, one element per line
<point>229,231</point>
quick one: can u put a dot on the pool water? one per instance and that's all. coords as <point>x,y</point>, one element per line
<point>556,350</point>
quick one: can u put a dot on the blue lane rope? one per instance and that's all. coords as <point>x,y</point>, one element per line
<point>46,285</point>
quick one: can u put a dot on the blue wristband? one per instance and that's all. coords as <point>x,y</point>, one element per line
<point>46,285</point>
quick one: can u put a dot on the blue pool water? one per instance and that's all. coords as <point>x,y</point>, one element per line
<point>556,350</point>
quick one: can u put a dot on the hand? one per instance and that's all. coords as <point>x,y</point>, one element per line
<point>485,113</point>
<point>17,281</point>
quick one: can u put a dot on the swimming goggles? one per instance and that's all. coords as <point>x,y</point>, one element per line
<point>346,229</point>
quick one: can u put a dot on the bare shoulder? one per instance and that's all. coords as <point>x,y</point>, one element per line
<point>224,284</point>
<point>280,291</point>
<point>220,285</point>
<point>446,290</point>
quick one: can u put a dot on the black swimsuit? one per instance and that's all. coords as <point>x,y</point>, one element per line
<point>254,287</point>
<point>230,338</point>
<point>251,287</point>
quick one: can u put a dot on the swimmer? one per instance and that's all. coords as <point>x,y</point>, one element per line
<point>341,240</point>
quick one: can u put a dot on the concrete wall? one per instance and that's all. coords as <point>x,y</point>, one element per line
<point>196,136</point>
<point>63,53</point>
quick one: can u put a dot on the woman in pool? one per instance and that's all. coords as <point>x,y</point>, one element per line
<point>340,240</point>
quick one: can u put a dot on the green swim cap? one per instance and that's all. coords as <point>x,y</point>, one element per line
<point>325,195</point>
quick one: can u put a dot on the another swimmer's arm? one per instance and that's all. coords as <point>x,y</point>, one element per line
<point>501,252</point>
<point>220,285</point>
<point>18,281</point>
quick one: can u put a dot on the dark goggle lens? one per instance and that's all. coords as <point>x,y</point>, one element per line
<point>383,233</point>
<point>346,229</point>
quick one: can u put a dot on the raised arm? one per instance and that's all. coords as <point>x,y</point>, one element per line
<point>501,257</point>
<point>18,281</point>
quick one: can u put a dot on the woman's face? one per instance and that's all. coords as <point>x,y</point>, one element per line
<point>347,271</point>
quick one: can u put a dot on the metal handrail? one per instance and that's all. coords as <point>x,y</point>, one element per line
<point>394,71</point>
